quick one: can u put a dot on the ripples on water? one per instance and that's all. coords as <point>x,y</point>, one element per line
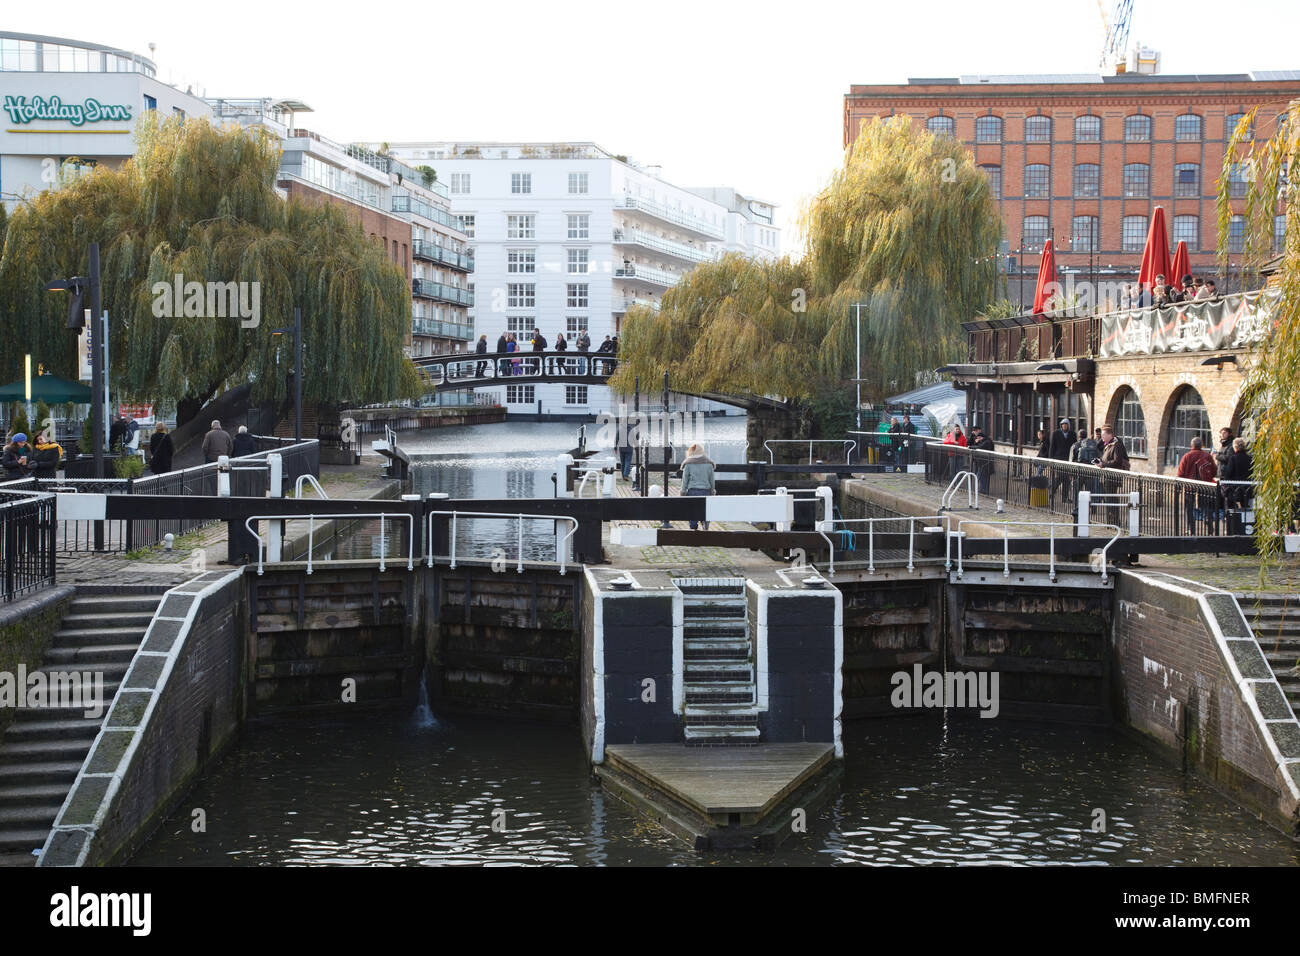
<point>399,791</point>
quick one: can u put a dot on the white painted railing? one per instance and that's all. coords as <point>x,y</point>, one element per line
<point>311,534</point>
<point>849,535</point>
<point>968,479</point>
<point>958,535</point>
<point>847,445</point>
<point>561,540</point>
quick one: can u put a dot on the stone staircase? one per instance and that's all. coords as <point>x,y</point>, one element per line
<point>1275,621</point>
<point>719,692</point>
<point>43,748</point>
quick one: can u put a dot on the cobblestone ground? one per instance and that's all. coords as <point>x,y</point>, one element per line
<point>204,548</point>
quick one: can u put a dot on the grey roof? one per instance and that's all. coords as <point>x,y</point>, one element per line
<point>929,395</point>
<point>1265,76</point>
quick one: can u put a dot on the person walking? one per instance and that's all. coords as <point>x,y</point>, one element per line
<point>503,345</point>
<point>1114,458</point>
<point>697,477</point>
<point>161,450</point>
<point>217,442</point>
<point>512,346</point>
<point>561,345</point>
<point>1234,483</point>
<point>244,444</point>
<point>983,466</point>
<point>907,429</point>
<point>481,349</point>
<point>1063,440</point>
<point>1198,503</point>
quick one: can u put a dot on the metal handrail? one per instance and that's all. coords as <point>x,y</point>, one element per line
<point>849,445</point>
<point>958,534</point>
<point>297,488</point>
<point>972,491</point>
<point>311,533</point>
<point>871,533</point>
<point>592,466</point>
<point>561,546</point>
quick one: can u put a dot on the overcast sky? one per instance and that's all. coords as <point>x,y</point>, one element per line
<point>748,95</point>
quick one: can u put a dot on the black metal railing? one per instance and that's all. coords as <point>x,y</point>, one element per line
<point>1168,506</point>
<point>27,542</point>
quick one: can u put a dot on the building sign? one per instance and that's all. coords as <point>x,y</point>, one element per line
<point>1232,322</point>
<point>22,109</point>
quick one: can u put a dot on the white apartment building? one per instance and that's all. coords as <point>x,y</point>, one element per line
<point>568,236</point>
<point>403,208</point>
<point>751,223</point>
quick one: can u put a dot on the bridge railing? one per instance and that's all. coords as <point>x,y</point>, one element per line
<point>27,542</point>
<point>515,367</point>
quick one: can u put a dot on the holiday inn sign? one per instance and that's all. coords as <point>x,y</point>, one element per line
<point>21,109</point>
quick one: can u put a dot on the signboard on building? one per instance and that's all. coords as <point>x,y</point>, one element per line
<point>1236,321</point>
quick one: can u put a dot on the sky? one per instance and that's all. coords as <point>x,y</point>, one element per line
<point>744,95</point>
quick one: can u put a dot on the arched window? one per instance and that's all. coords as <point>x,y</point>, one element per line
<point>1137,181</point>
<point>1188,419</point>
<point>1187,128</point>
<point>1038,129</point>
<point>1137,128</point>
<point>994,173</point>
<point>1038,181</point>
<point>1087,181</point>
<point>1230,126</point>
<point>1087,129</point>
<point>988,129</point>
<point>941,125</point>
<point>1130,423</point>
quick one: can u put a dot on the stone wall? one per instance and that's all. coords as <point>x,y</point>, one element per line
<point>27,628</point>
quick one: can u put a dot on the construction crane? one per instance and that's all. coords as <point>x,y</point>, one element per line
<point>1113,50</point>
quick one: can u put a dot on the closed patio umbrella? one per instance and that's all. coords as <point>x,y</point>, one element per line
<point>1181,266</point>
<point>1155,255</point>
<point>1047,285</point>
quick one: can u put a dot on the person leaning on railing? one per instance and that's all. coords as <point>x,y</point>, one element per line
<point>1114,457</point>
<point>1198,465</point>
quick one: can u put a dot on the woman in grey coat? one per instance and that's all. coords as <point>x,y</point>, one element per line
<point>697,476</point>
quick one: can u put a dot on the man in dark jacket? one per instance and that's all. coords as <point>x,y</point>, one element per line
<point>481,349</point>
<point>1237,466</point>
<point>503,365</point>
<point>905,446</point>
<point>216,443</point>
<point>1059,448</point>
<point>244,444</point>
<point>983,467</point>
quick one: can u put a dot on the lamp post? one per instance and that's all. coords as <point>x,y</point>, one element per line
<point>82,288</point>
<point>857,356</point>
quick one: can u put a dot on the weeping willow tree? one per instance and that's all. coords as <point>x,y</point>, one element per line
<point>1270,385</point>
<point>905,237</point>
<point>198,201</point>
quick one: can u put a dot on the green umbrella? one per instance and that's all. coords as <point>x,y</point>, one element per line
<point>49,389</point>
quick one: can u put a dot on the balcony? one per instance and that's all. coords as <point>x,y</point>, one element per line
<point>668,247</point>
<point>432,252</point>
<point>645,275</point>
<point>693,224</point>
<point>621,305</point>
<point>428,289</point>
<point>415,206</point>
<point>444,330</point>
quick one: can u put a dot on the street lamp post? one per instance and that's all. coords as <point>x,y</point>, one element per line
<point>82,288</point>
<point>857,353</point>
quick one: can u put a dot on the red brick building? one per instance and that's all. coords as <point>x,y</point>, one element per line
<point>1083,159</point>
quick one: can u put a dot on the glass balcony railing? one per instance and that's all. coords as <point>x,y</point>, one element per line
<point>669,247</point>
<point>625,303</point>
<point>429,289</point>
<point>446,330</point>
<point>431,251</point>
<point>638,273</point>
<point>418,207</point>
<point>694,223</point>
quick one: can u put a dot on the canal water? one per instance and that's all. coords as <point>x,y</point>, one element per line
<point>413,789</point>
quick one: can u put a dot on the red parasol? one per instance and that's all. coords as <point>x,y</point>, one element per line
<point>1155,256</point>
<point>1182,266</point>
<point>1046,279</point>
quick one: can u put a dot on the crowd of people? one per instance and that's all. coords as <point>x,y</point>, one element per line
<point>510,342</point>
<point>1187,289</point>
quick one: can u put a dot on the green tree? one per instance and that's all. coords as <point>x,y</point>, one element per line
<point>199,201</point>
<point>1270,385</point>
<point>907,230</point>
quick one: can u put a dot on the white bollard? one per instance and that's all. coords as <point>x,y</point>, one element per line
<point>782,525</point>
<point>827,521</point>
<point>607,486</point>
<point>1085,502</point>
<point>275,542</point>
<point>223,476</point>
<point>1134,515</point>
<point>275,463</point>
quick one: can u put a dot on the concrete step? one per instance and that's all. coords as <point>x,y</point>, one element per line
<point>37,714</point>
<point>88,658</point>
<point>66,637</point>
<point>53,729</point>
<point>713,669</point>
<point>720,734</point>
<point>725,689</point>
<point>34,794</point>
<point>691,612</point>
<point>137,620</point>
<point>17,858</point>
<point>115,604</point>
<point>31,774</point>
<point>49,751</point>
<point>22,840</point>
<point>28,817</point>
<point>721,713</point>
<point>723,648</point>
<point>1282,660</point>
<point>714,629</point>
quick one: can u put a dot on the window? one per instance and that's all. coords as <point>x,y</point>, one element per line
<point>521,323</point>
<point>1003,422</point>
<point>1133,233</point>
<point>1187,229</point>
<point>460,184</point>
<point>521,226</point>
<point>1239,176</point>
<point>1131,425</point>
<point>1187,128</point>
<point>521,260</point>
<point>578,261</point>
<point>178,113</point>
<point>941,125</point>
<point>1237,233</point>
<point>1038,129</point>
<point>579,225</point>
<point>988,129</point>
<point>1037,182</point>
<point>520,394</point>
<point>1085,234</point>
<point>521,182</point>
<point>1137,181</point>
<point>1137,128</point>
<point>1187,180</point>
<point>1087,129</point>
<point>1230,125</point>
<point>575,395</point>
<point>465,223</point>
<point>573,324</point>
<point>577,296</point>
<point>577,184</point>
<point>150,102</point>
<point>1087,181</point>
<point>521,295</point>
<point>994,173</point>
<point>1279,232</point>
<point>1035,233</point>
<point>1188,419</point>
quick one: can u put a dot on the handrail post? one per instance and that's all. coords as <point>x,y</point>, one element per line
<point>383,545</point>
<point>1006,550</point>
<point>1051,554</point>
<point>871,547</point>
<point>454,516</point>
<point>520,568</point>
<point>311,532</point>
<point>911,539</point>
